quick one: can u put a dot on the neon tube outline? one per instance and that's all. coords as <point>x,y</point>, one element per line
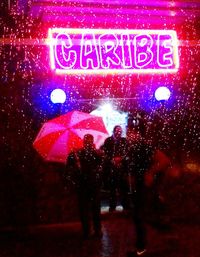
<point>52,42</point>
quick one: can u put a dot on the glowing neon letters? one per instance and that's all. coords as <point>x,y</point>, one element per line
<point>97,51</point>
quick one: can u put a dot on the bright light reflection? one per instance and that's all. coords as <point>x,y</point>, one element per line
<point>58,96</point>
<point>106,108</point>
<point>112,117</point>
<point>162,93</point>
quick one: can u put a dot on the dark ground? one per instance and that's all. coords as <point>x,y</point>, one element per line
<point>182,240</point>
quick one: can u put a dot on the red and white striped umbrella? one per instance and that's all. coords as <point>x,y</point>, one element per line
<point>59,136</point>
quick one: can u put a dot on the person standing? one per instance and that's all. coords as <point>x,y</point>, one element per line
<point>84,165</point>
<point>115,180</point>
<point>139,160</point>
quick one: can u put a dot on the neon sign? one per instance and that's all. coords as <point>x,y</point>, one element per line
<point>113,51</point>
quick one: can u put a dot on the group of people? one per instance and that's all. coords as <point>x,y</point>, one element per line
<point>111,168</point>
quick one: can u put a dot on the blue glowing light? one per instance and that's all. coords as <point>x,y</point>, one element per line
<point>162,93</point>
<point>58,96</point>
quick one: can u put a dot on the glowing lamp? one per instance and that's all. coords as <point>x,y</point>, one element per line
<point>106,108</point>
<point>58,96</point>
<point>111,117</point>
<point>162,93</point>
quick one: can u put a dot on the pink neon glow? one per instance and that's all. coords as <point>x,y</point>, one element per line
<point>113,51</point>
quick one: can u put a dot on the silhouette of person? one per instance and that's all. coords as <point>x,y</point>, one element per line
<point>139,160</point>
<point>85,168</point>
<point>114,174</point>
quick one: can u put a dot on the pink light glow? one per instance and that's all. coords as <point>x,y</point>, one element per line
<point>88,51</point>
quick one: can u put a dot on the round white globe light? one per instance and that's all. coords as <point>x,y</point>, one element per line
<point>162,93</point>
<point>58,96</point>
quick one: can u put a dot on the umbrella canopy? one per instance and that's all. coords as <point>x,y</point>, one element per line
<point>59,136</point>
